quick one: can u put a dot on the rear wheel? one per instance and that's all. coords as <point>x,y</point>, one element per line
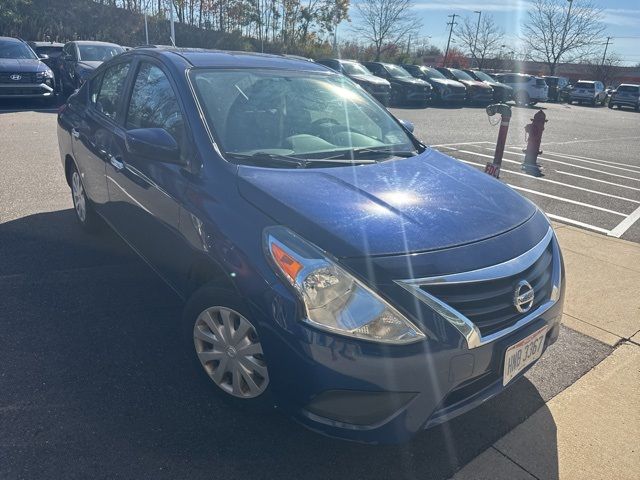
<point>611,105</point>
<point>85,214</point>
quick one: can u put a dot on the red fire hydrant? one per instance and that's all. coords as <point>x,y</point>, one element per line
<point>533,134</point>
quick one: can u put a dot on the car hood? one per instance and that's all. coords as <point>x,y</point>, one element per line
<point>475,83</point>
<point>424,203</point>
<point>21,65</point>
<point>498,85</point>
<point>446,82</point>
<point>369,79</point>
<point>86,65</point>
<point>410,81</point>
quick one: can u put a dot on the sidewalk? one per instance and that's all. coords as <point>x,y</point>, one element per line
<point>591,430</point>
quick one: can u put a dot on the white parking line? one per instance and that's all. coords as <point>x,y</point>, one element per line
<point>597,180</point>
<point>582,160</point>
<point>547,180</point>
<point>577,223</point>
<point>609,139</point>
<point>604,162</point>
<point>568,200</point>
<point>450,144</point>
<point>625,224</point>
<point>545,159</point>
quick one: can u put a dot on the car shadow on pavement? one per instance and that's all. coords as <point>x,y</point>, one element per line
<point>93,384</point>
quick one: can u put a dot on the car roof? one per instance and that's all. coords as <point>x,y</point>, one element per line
<point>93,42</point>
<point>12,39</point>
<point>628,85</point>
<point>199,57</point>
<point>46,44</point>
<point>588,81</point>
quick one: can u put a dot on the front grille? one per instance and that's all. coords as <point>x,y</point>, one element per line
<point>490,304</point>
<point>5,77</point>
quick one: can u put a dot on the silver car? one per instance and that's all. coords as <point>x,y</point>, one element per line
<point>588,91</point>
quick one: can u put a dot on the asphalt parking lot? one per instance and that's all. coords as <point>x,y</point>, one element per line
<point>590,159</point>
<point>91,384</point>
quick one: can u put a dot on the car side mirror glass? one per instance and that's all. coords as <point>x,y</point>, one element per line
<point>43,56</point>
<point>407,124</point>
<point>154,144</point>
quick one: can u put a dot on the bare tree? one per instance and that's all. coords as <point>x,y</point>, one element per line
<point>564,30</point>
<point>480,41</point>
<point>384,22</point>
<point>606,71</point>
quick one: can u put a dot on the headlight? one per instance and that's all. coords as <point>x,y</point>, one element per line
<point>334,299</point>
<point>46,74</point>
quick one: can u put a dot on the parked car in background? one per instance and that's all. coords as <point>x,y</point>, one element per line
<point>501,92</point>
<point>588,91</point>
<point>376,86</point>
<point>527,89</point>
<point>78,60</point>
<point>445,90</point>
<point>331,263</point>
<point>558,91</point>
<point>404,87</point>
<point>477,92</point>
<point>49,52</point>
<point>626,95</point>
<point>22,73</point>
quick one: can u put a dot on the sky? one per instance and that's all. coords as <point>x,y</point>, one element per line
<point>621,19</point>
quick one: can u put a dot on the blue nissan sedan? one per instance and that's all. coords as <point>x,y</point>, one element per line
<point>332,265</point>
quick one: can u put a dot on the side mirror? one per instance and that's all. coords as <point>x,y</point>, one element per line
<point>43,56</point>
<point>154,144</point>
<point>407,124</point>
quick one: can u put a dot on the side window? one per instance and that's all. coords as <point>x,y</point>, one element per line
<point>154,104</point>
<point>110,91</point>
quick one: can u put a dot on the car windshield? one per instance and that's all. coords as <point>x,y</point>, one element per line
<point>433,73</point>
<point>397,71</point>
<point>98,53</point>
<point>588,85</point>
<point>353,68</point>
<point>629,88</point>
<point>483,76</point>
<point>291,114</point>
<point>16,50</point>
<point>460,75</point>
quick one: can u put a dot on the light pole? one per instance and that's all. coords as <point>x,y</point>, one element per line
<point>475,41</point>
<point>606,46</point>
<point>451,23</point>
<point>564,32</point>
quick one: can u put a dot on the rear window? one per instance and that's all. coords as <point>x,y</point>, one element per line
<point>540,82</point>
<point>552,82</point>
<point>629,88</point>
<point>587,85</point>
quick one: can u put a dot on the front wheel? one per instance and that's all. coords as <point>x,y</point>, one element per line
<point>224,344</point>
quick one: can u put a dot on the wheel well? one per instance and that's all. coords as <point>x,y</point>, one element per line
<point>69,164</point>
<point>208,272</point>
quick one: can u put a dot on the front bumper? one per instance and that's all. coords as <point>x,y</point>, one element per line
<point>630,102</point>
<point>481,97</point>
<point>417,96</point>
<point>26,90</point>
<point>384,394</point>
<point>577,97</point>
<point>453,97</point>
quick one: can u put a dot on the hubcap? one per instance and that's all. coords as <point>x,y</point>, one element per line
<point>228,348</point>
<point>79,201</point>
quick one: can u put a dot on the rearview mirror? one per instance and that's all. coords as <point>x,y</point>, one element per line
<point>154,144</point>
<point>407,124</point>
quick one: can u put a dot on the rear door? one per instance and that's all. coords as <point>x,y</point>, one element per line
<point>92,133</point>
<point>144,193</point>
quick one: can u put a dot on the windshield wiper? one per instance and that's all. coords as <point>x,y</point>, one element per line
<point>356,152</point>
<point>266,157</point>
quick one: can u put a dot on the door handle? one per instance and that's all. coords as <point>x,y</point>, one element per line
<point>117,164</point>
<point>75,133</point>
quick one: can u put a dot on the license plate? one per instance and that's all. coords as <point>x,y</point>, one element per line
<point>522,354</point>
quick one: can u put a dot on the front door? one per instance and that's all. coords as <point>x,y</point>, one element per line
<point>144,193</point>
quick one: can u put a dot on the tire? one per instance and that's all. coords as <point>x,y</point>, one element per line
<point>611,105</point>
<point>210,315</point>
<point>531,104</point>
<point>638,107</point>
<point>82,206</point>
